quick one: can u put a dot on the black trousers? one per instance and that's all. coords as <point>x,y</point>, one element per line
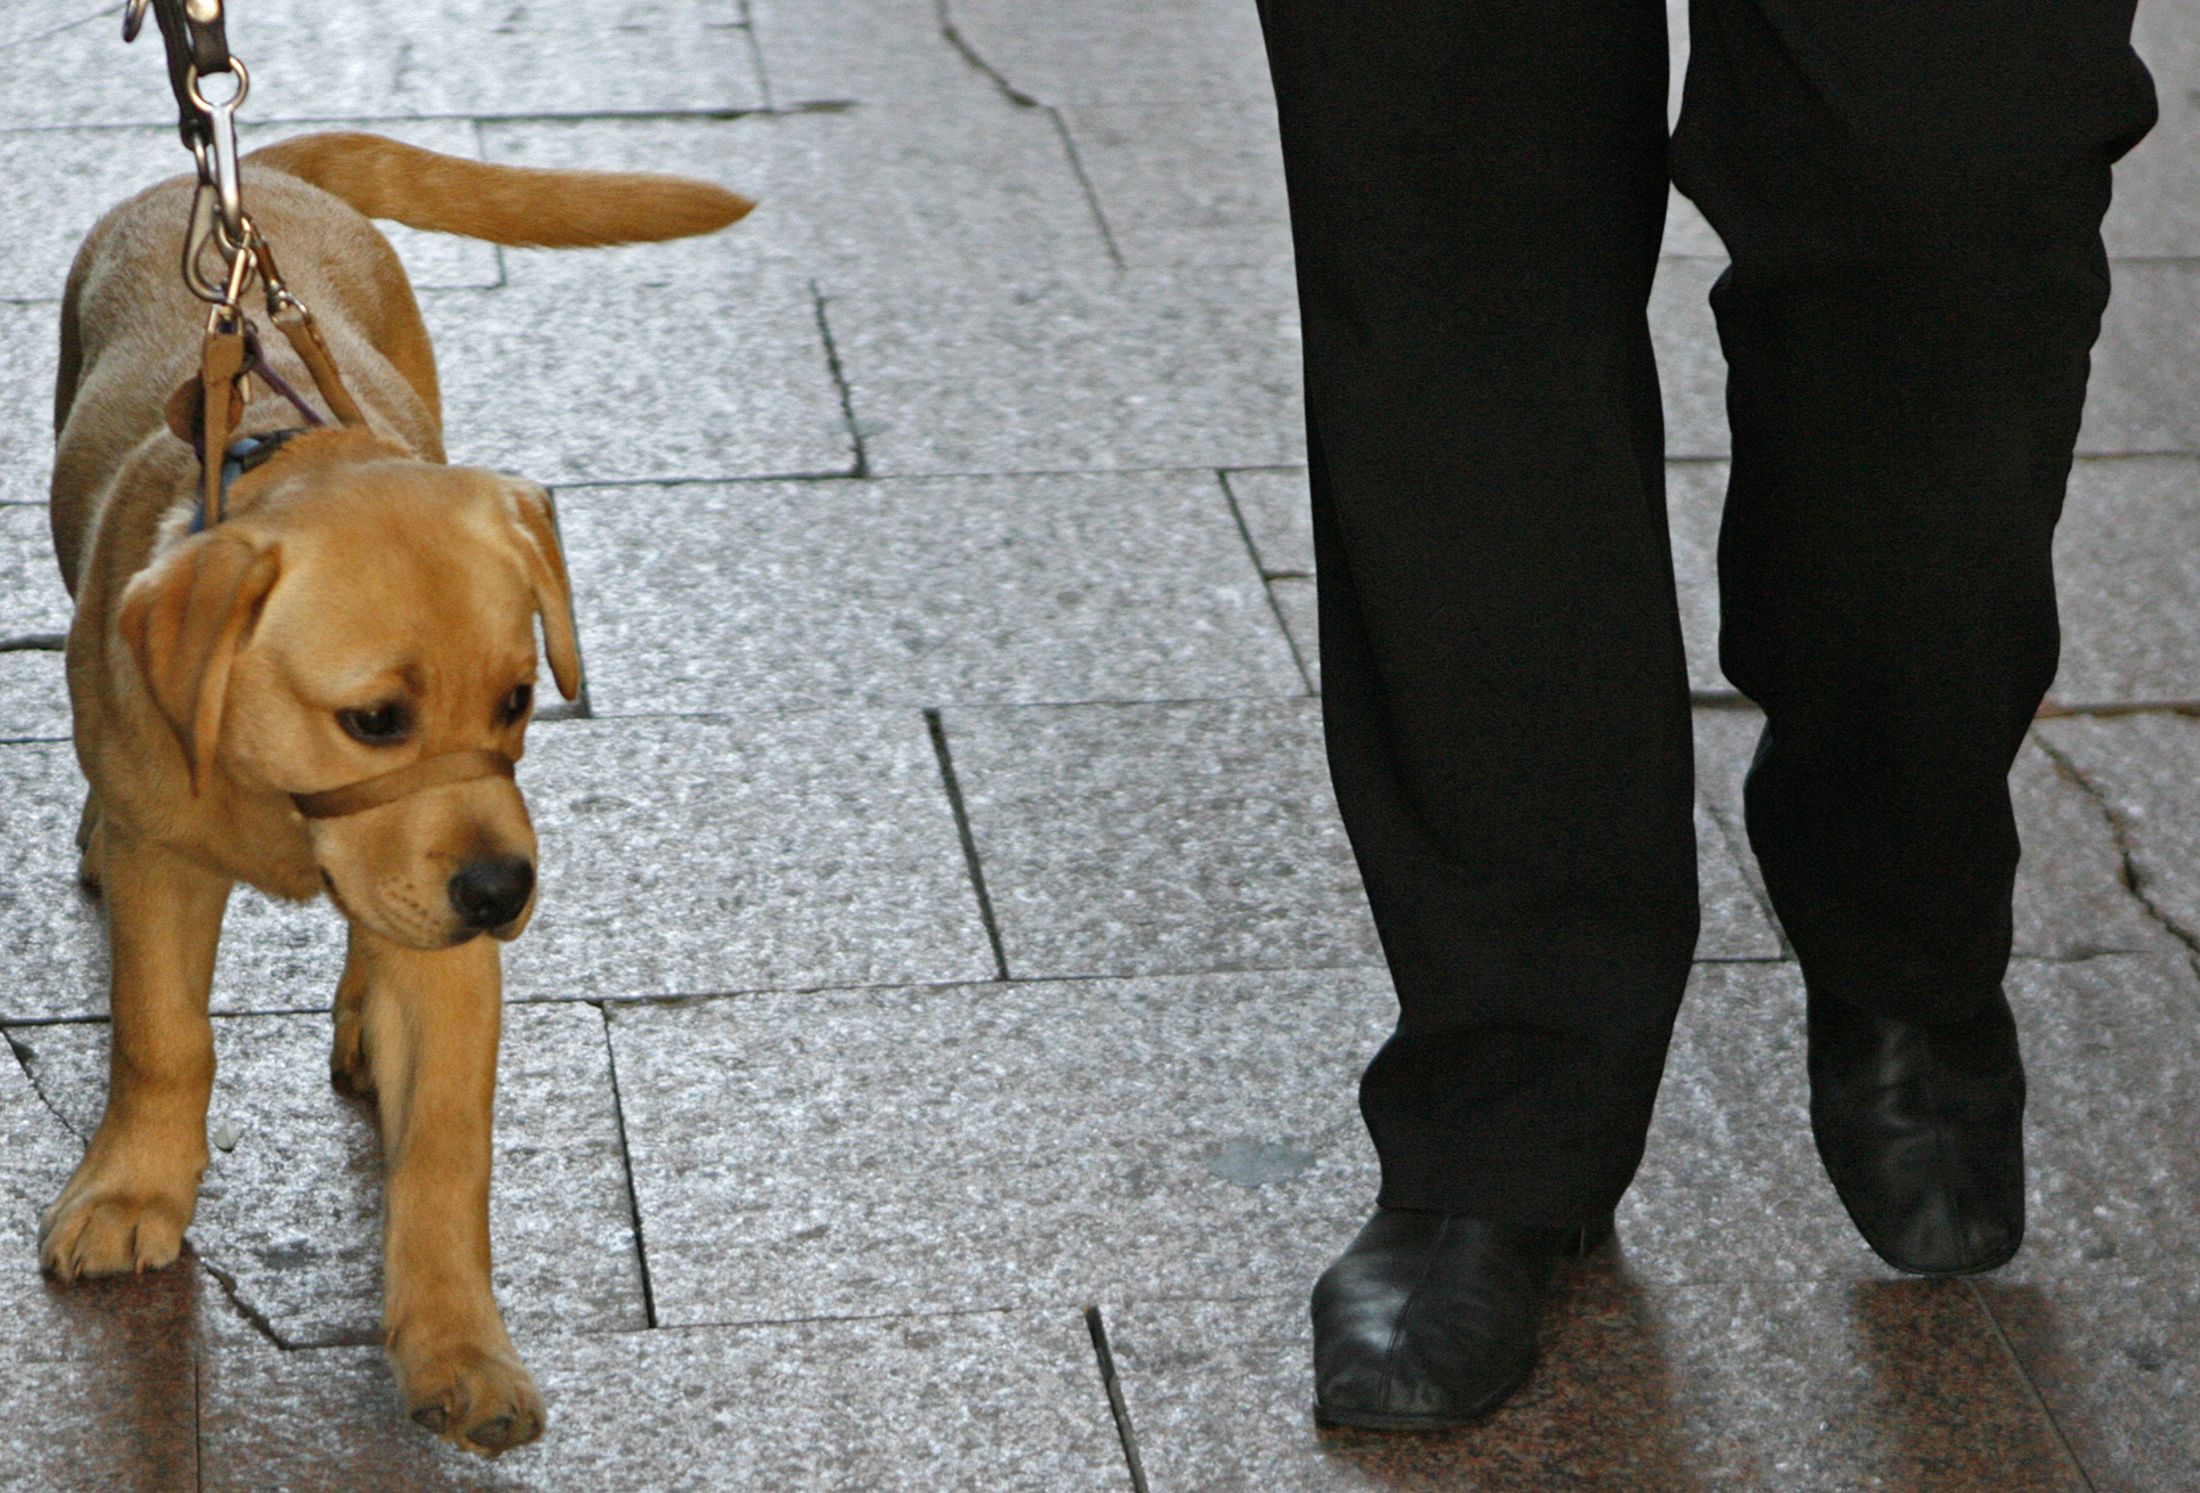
<point>1911,192</point>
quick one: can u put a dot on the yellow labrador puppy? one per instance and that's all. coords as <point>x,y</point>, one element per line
<point>323,692</point>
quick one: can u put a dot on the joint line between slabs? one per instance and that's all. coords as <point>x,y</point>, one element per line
<point>862,466</point>
<point>1124,1430</point>
<point>2031,1390</point>
<point>626,1160</point>
<point>937,729</point>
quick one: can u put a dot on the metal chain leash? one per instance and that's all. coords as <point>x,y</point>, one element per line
<point>198,48</point>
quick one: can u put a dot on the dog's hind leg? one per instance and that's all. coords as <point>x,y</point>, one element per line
<point>430,1021</point>
<point>138,1185</point>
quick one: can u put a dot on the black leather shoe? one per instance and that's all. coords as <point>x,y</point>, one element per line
<point>1921,1129</point>
<point>1428,1320</point>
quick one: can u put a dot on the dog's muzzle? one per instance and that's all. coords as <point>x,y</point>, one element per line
<point>414,777</point>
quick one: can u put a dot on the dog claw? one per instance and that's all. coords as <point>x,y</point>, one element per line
<point>433,1417</point>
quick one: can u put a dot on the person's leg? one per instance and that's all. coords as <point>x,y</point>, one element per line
<point>1477,195</point>
<point>1912,196</point>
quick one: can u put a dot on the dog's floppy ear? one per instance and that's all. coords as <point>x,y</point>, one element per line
<point>184,619</point>
<point>538,523</point>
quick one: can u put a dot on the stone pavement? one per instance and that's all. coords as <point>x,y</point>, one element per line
<point>949,967</point>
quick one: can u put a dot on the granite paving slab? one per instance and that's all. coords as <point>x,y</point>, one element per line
<point>1187,183</point>
<point>84,172</point>
<point>1277,511</point>
<point>628,381</point>
<point>292,1211</point>
<point>1119,51</point>
<point>1695,497</point>
<point>2117,1363</point>
<point>1691,369</point>
<point>30,349</point>
<point>982,1402</point>
<point>2142,768</point>
<point>1642,1386</point>
<point>2113,1062</point>
<point>784,596</point>
<point>71,1427</point>
<point>2143,396</point>
<point>1161,368</point>
<point>693,856</point>
<point>32,598</point>
<point>1295,601</point>
<point>2128,583</point>
<point>34,696</point>
<point>902,195</point>
<point>962,1147</point>
<point>1143,839</point>
<point>430,57</point>
<point>868,51</point>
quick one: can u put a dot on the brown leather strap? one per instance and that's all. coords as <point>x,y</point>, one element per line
<point>221,405</point>
<point>297,324</point>
<point>413,777</point>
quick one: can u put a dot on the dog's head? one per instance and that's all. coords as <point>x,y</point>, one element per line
<point>365,611</point>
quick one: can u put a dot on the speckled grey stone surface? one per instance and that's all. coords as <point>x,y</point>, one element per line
<point>32,599</point>
<point>876,51</point>
<point>2156,209</point>
<point>34,696</point>
<point>1192,368</point>
<point>1734,922</point>
<point>1149,838</point>
<point>2129,583</point>
<point>1187,183</point>
<point>902,196</point>
<point>53,948</point>
<point>293,1213</point>
<point>2143,767</point>
<point>1691,369</point>
<point>983,1402</point>
<point>94,169</point>
<point>426,58</point>
<point>2144,395</point>
<point>2117,1362</point>
<point>29,349</point>
<point>1119,51</point>
<point>684,856</point>
<point>1747,1385</point>
<point>2114,1072</point>
<point>71,1427</point>
<point>1695,494</point>
<point>1277,512</point>
<point>770,596</point>
<point>619,379</point>
<point>1297,604</point>
<point>827,1154</point>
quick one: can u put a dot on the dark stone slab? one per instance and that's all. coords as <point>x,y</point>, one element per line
<point>291,1212</point>
<point>780,596</point>
<point>2117,1361</point>
<point>1151,838</point>
<point>980,1402</point>
<point>965,1147</point>
<point>1748,1385</point>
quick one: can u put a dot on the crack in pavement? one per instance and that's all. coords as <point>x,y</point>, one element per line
<point>2130,872</point>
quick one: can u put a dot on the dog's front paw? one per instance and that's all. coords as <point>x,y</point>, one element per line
<point>348,1068</point>
<point>102,1227</point>
<point>476,1397</point>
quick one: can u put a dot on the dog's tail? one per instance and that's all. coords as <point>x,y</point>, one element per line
<point>504,204</point>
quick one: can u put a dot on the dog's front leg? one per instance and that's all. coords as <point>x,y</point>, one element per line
<point>138,1185</point>
<point>430,1020</point>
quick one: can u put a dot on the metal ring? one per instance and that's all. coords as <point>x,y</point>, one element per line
<point>227,105</point>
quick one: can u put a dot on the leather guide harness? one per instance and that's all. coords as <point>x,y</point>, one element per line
<point>230,358</point>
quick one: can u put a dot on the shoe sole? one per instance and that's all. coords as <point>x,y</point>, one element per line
<point>1358,1420</point>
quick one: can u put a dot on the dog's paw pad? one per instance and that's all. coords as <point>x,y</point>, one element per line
<point>103,1234</point>
<point>481,1401</point>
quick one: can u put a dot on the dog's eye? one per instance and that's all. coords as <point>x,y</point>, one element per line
<point>385,724</point>
<point>516,703</point>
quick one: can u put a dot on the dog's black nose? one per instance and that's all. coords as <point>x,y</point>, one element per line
<point>491,892</point>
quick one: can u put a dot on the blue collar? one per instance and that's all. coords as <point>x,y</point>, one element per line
<point>244,453</point>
